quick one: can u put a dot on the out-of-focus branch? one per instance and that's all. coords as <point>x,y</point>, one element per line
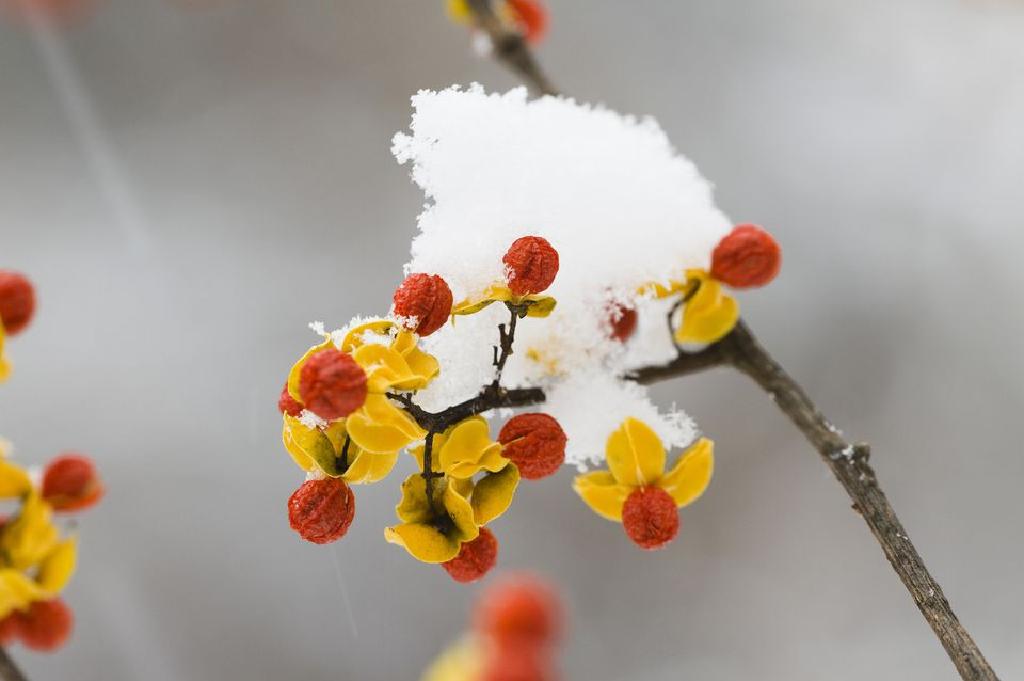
<point>510,47</point>
<point>8,670</point>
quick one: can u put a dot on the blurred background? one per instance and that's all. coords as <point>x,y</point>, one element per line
<point>190,182</point>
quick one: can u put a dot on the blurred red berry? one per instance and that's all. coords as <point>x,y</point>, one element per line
<point>46,625</point>
<point>519,610</point>
<point>518,662</point>
<point>71,483</point>
<point>532,265</point>
<point>747,257</point>
<point>287,404</point>
<point>650,518</point>
<point>63,11</point>
<point>17,301</point>
<point>332,385</point>
<point>426,300</point>
<point>535,443</point>
<point>532,18</point>
<point>621,322</point>
<point>475,558</point>
<point>9,629</point>
<point>322,510</point>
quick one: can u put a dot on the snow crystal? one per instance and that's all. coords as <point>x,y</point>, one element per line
<point>616,200</point>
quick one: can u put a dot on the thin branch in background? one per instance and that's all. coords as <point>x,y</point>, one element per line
<point>510,48</point>
<point>8,670</point>
<point>849,463</point>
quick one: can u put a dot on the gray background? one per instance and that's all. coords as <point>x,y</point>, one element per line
<point>243,187</point>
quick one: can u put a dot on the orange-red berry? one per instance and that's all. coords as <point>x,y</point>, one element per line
<point>426,300</point>
<point>17,301</point>
<point>332,385</point>
<point>650,518</point>
<point>532,265</point>
<point>519,610</point>
<point>71,483</point>
<point>9,629</point>
<point>532,18</point>
<point>535,443</point>
<point>286,404</point>
<point>621,322</point>
<point>747,257</point>
<point>321,511</point>
<point>518,662</point>
<point>475,558</point>
<point>46,625</point>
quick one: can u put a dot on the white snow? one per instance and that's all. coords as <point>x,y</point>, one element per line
<point>616,200</point>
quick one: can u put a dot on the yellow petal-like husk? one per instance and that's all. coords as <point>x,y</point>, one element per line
<point>539,306</point>
<point>691,474</point>
<point>14,480</point>
<point>303,444</point>
<point>709,315</point>
<point>493,494</point>
<point>468,449</point>
<point>423,542</point>
<point>413,508</point>
<point>602,493</point>
<point>461,661</point>
<point>380,427</point>
<point>17,591</point>
<point>56,569</point>
<point>367,468</point>
<point>31,535</point>
<point>635,455</point>
<point>356,336</point>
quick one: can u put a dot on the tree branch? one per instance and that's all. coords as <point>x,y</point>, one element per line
<point>8,670</point>
<point>739,349</point>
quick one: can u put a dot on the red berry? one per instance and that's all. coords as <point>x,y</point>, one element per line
<point>332,385</point>
<point>747,257</point>
<point>17,301</point>
<point>621,322</point>
<point>475,558</point>
<point>532,265</point>
<point>517,662</point>
<point>71,483</point>
<point>519,610</point>
<point>322,510</point>
<point>650,518</point>
<point>532,18</point>
<point>46,625</point>
<point>425,299</point>
<point>535,443</point>
<point>286,404</point>
<point>9,629</point>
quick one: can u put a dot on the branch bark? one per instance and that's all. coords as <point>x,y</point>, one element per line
<point>8,670</point>
<point>848,462</point>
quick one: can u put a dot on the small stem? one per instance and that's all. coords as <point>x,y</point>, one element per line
<point>510,47</point>
<point>8,670</point>
<point>507,340</point>
<point>428,467</point>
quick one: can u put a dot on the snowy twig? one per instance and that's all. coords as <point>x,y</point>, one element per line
<point>8,670</point>
<point>510,47</point>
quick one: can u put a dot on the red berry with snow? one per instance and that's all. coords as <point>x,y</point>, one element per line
<point>286,404</point>
<point>535,443</point>
<point>332,385</point>
<point>475,558</point>
<point>621,322</point>
<point>46,625</point>
<point>531,17</point>
<point>747,257</point>
<point>426,300</point>
<point>17,301</point>
<point>519,610</point>
<point>71,483</point>
<point>321,511</point>
<point>650,518</point>
<point>532,265</point>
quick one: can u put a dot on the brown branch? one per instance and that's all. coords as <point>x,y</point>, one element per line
<point>8,670</point>
<point>510,47</point>
<point>739,349</point>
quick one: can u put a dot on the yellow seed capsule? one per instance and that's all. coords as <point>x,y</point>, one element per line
<point>459,12</point>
